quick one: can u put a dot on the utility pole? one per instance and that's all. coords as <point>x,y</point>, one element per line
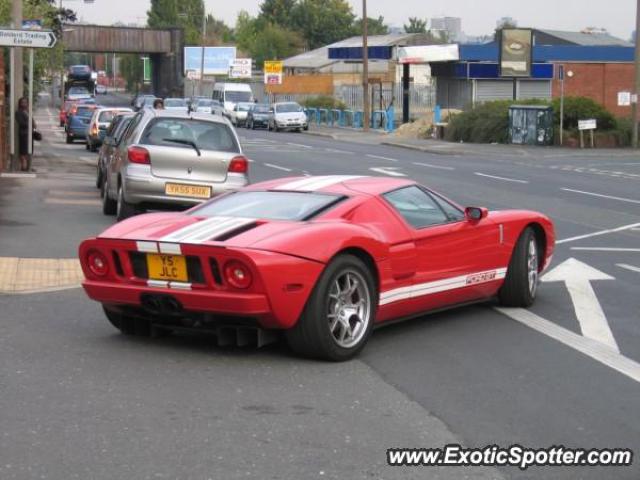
<point>204,39</point>
<point>634,104</point>
<point>17,80</point>
<point>365,69</point>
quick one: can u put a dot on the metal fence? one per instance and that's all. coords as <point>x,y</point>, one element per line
<point>421,97</point>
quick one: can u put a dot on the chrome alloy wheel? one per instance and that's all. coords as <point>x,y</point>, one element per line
<point>349,308</point>
<point>532,266</point>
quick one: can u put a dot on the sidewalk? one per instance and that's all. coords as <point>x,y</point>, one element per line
<point>441,147</point>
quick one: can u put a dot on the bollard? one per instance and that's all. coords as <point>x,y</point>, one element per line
<point>391,119</point>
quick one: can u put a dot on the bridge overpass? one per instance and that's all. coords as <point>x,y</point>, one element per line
<point>165,47</point>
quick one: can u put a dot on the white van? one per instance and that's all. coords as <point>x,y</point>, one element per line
<point>228,94</point>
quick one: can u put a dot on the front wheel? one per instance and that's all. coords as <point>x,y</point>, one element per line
<point>521,283</point>
<point>340,313</point>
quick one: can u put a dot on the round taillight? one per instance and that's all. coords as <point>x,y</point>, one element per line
<point>97,263</point>
<point>238,274</point>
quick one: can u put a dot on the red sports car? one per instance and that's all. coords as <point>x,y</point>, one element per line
<point>323,259</point>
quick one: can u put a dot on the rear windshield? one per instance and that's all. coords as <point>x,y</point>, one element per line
<point>175,102</point>
<point>107,116</point>
<point>85,111</point>
<point>78,91</point>
<point>204,103</point>
<point>288,108</point>
<point>205,135</point>
<point>261,109</point>
<point>268,205</point>
<point>237,96</point>
<point>244,107</point>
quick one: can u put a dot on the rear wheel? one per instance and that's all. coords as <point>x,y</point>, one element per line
<point>99,180</point>
<point>124,209</point>
<point>521,283</point>
<point>127,324</point>
<point>109,206</point>
<point>69,139</point>
<point>340,313</point>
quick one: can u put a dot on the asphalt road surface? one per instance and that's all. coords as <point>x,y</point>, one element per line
<point>78,400</point>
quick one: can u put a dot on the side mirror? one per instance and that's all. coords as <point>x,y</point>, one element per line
<point>475,214</point>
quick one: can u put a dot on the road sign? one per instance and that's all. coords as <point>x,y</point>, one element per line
<point>240,68</point>
<point>146,70</point>
<point>27,38</point>
<point>273,72</point>
<point>589,124</point>
<point>624,99</point>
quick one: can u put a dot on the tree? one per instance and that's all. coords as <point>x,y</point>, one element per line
<point>274,42</point>
<point>375,26</point>
<point>245,31</point>
<point>131,68</point>
<point>277,12</point>
<point>218,32</point>
<point>187,14</point>
<point>321,22</point>
<point>415,25</point>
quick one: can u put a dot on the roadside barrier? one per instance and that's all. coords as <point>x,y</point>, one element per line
<point>380,119</point>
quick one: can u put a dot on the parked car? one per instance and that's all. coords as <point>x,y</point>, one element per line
<point>323,259</point>
<point>111,139</point>
<point>258,116</point>
<point>173,160</point>
<point>64,108</point>
<point>142,100</point>
<point>176,104</point>
<point>195,99</point>
<point>238,115</point>
<point>98,125</point>
<point>101,89</point>
<point>78,122</point>
<point>206,105</point>
<point>78,93</point>
<point>288,116</point>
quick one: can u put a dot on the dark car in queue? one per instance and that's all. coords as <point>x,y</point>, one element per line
<point>259,116</point>
<point>112,137</point>
<point>78,122</point>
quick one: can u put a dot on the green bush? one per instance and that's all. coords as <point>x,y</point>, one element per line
<point>582,108</point>
<point>324,101</point>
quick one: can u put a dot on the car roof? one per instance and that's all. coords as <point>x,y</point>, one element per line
<point>339,184</point>
<point>187,115</point>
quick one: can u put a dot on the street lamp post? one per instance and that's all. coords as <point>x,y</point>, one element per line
<point>634,100</point>
<point>365,68</point>
<point>204,38</point>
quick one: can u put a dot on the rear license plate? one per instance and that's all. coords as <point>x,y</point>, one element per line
<point>181,190</point>
<point>167,267</point>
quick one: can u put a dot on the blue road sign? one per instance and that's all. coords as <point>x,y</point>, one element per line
<point>217,60</point>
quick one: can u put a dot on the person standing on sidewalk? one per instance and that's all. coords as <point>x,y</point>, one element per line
<point>22,119</point>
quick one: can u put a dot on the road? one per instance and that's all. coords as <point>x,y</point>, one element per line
<point>80,401</point>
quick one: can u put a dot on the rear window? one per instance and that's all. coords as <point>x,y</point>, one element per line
<point>288,108</point>
<point>206,135</point>
<point>261,109</point>
<point>107,116</point>
<point>269,205</point>
<point>85,111</point>
<point>175,102</point>
<point>244,107</point>
<point>78,91</point>
<point>204,103</point>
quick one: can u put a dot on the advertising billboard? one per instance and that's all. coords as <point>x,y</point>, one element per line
<point>273,72</point>
<point>240,68</point>
<point>217,60</point>
<point>515,52</point>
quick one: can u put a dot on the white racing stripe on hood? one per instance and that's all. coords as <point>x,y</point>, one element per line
<point>315,183</point>
<point>207,229</point>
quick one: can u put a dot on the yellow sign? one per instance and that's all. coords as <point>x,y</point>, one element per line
<point>273,66</point>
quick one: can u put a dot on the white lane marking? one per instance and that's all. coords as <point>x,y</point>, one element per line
<point>18,175</point>
<point>605,249</point>
<point>277,167</point>
<point>440,167</point>
<point>444,285</point>
<point>578,276</point>
<point>600,195</point>
<point>628,267</point>
<point>514,180</point>
<point>601,232</point>
<point>391,171</point>
<point>587,346</point>
<point>147,247</point>
<point>299,145</point>
<point>378,157</point>
<point>335,150</point>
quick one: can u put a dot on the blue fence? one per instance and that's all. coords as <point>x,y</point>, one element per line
<point>380,119</point>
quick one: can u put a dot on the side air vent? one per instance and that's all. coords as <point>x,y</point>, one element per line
<point>235,232</point>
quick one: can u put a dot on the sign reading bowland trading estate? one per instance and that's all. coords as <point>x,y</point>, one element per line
<point>589,124</point>
<point>27,38</point>
<point>273,72</point>
<point>515,52</point>
<point>240,68</point>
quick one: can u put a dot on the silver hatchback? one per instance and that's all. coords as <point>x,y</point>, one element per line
<point>173,160</point>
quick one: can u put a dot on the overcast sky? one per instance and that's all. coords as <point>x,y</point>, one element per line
<point>478,16</point>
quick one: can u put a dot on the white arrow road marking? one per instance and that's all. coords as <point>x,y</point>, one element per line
<point>505,179</point>
<point>589,347</point>
<point>632,226</point>
<point>628,267</point>
<point>578,276</point>
<point>391,171</point>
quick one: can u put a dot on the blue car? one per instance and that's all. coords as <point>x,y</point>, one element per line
<point>78,123</point>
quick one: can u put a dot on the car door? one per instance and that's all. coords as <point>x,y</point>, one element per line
<point>457,258</point>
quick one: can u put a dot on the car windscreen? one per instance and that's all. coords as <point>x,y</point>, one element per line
<point>181,132</point>
<point>294,206</point>
<point>231,96</point>
<point>107,116</point>
<point>260,109</point>
<point>244,107</point>
<point>288,108</point>
<point>175,102</point>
